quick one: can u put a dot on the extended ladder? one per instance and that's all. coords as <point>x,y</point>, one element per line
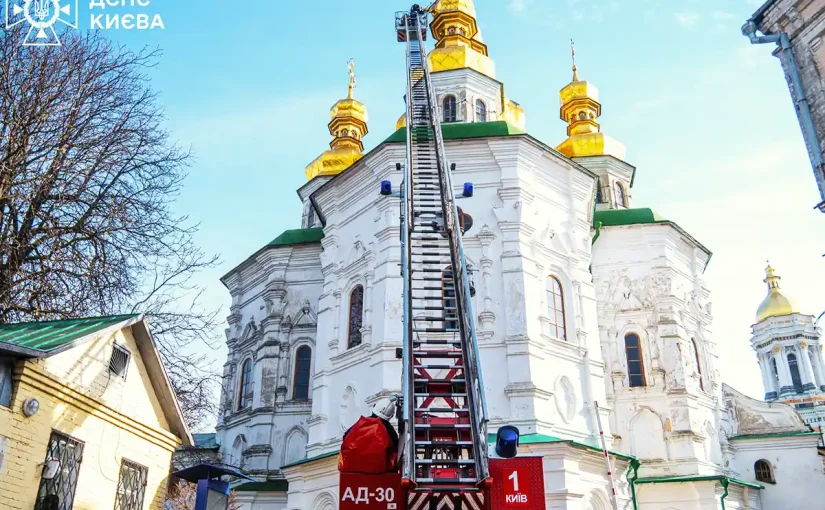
<point>444,422</point>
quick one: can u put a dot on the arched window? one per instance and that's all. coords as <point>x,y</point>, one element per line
<point>775,371</point>
<point>793,365</point>
<point>356,316</point>
<point>481,111</point>
<point>245,387</point>
<point>303,364</point>
<point>448,300</point>
<point>620,197</point>
<point>763,472</point>
<point>599,199</point>
<point>555,308</point>
<point>582,116</point>
<point>635,363</point>
<point>450,111</point>
<point>698,363</point>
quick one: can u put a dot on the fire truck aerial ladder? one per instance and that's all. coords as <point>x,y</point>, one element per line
<point>443,422</point>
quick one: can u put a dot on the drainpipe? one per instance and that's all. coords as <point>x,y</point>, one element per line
<point>725,484</point>
<point>806,119</point>
<point>634,466</point>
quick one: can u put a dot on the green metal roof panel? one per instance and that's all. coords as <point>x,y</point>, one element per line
<point>616,217</point>
<point>268,486</point>
<point>459,130</point>
<point>311,459</point>
<point>777,434</point>
<point>47,336</point>
<point>698,478</point>
<point>544,439</point>
<point>298,236</point>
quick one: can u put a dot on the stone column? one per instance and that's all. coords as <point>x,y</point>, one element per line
<point>819,370</point>
<point>333,343</point>
<point>785,382</point>
<point>806,371</point>
<point>487,317</point>
<point>767,377</point>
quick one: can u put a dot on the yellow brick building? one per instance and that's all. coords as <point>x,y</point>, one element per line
<point>88,418</point>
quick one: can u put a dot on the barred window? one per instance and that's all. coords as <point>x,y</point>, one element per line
<point>356,316</point>
<point>119,362</point>
<point>763,472</point>
<point>246,387</point>
<point>450,109</point>
<point>555,308</point>
<point>635,363</point>
<point>131,487</point>
<point>60,470</point>
<point>303,364</point>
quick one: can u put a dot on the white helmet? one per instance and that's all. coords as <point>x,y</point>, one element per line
<point>384,408</point>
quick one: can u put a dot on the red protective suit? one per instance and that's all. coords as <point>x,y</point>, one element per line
<point>368,448</point>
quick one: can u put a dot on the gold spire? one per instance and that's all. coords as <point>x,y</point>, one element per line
<point>573,52</point>
<point>580,108</point>
<point>774,304</point>
<point>459,45</point>
<point>348,126</point>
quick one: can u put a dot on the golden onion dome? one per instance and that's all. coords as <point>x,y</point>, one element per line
<point>402,122</point>
<point>465,6</point>
<point>775,304</point>
<point>348,126</point>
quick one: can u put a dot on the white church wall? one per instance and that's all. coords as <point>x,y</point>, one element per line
<point>469,86</point>
<point>796,466</point>
<point>649,284</point>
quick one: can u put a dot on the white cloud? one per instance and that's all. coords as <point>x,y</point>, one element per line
<point>687,19</point>
<point>723,19</point>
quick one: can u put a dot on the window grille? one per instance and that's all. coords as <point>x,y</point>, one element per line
<point>119,362</point>
<point>635,363</point>
<point>555,308</point>
<point>131,487</point>
<point>356,316</point>
<point>303,369</point>
<point>762,470</point>
<point>57,492</point>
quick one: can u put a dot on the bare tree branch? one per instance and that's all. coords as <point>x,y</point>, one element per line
<point>87,178</point>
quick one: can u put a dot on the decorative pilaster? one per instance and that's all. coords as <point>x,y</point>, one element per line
<point>336,329</point>
<point>486,318</point>
<point>819,371</point>
<point>767,377</point>
<point>785,382</point>
<point>366,328</point>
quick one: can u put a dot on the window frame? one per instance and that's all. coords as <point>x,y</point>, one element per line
<point>453,109</point>
<point>641,361</point>
<point>117,348</point>
<point>551,309</point>
<point>246,387</point>
<point>760,467</point>
<point>6,381</point>
<point>482,116</point>
<point>698,357</point>
<point>295,385</point>
<point>619,192</point>
<point>354,337</point>
<point>143,475</point>
<point>58,446</point>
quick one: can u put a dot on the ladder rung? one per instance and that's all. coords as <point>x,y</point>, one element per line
<point>445,462</point>
<point>440,381</point>
<point>441,367</point>
<point>446,481</point>
<point>439,395</point>
<point>441,410</point>
<point>437,354</point>
<point>434,330</point>
<point>462,426</point>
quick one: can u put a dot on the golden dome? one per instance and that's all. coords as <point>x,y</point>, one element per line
<point>459,44</point>
<point>580,107</point>
<point>774,304</point>
<point>402,122</point>
<point>348,126</point>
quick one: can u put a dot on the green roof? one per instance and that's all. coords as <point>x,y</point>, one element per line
<point>459,130</point>
<point>298,236</point>
<point>776,434</point>
<point>44,338</point>
<point>268,486</point>
<point>544,439</point>
<point>616,217</point>
<point>311,459</point>
<point>699,478</point>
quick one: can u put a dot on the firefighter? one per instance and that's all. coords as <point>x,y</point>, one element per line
<point>371,445</point>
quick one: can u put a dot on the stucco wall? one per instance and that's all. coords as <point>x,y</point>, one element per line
<point>112,427</point>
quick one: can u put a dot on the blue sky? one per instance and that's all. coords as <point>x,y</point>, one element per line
<point>706,117</point>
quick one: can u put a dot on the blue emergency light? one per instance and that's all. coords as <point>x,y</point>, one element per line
<point>507,442</point>
<point>386,188</point>
<point>468,189</point>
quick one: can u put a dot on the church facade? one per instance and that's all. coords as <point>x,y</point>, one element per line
<point>582,298</point>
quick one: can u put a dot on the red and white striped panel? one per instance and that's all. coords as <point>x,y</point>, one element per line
<point>421,501</point>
